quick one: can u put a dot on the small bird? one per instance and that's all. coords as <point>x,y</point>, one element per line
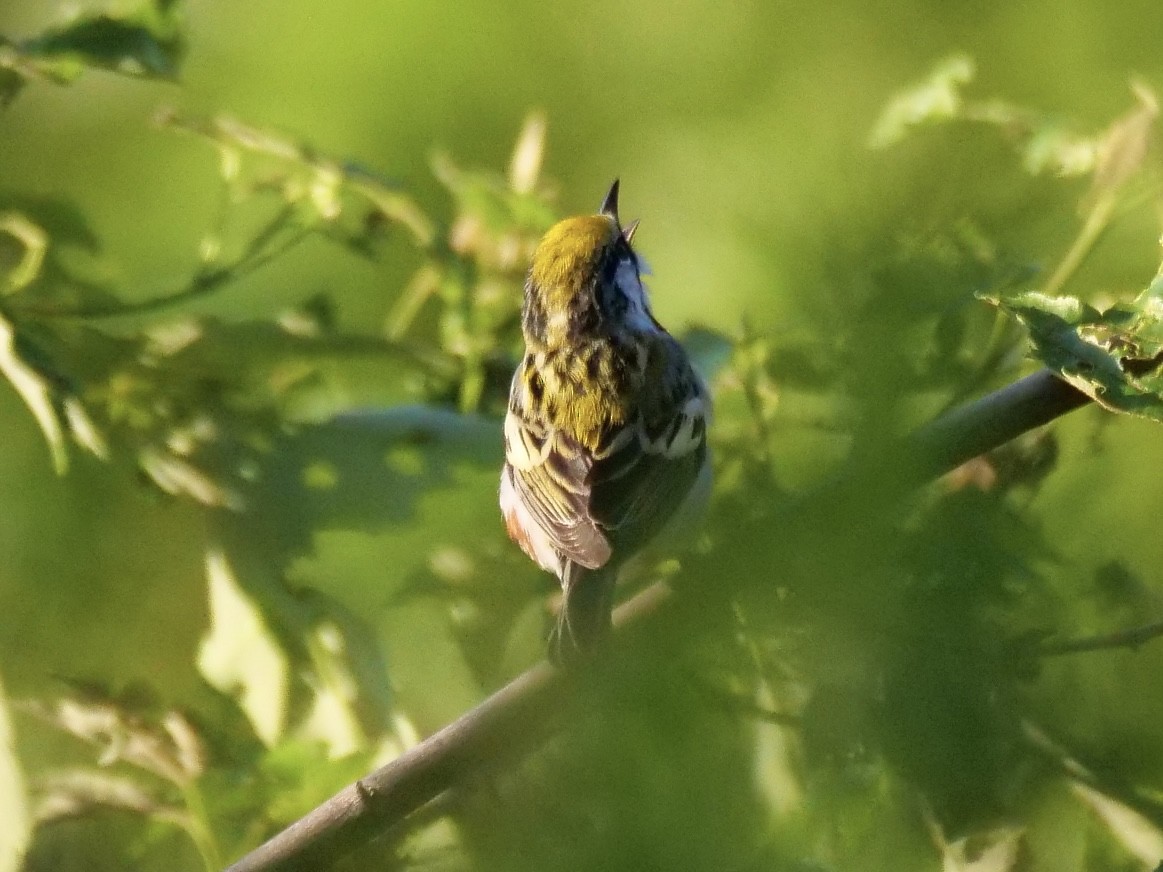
<point>605,436</point>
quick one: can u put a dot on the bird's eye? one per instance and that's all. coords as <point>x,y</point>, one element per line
<point>624,256</point>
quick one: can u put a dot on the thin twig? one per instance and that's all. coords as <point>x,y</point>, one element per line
<point>262,249</point>
<point>1091,775</point>
<point>737,703</point>
<point>518,717</point>
<point>1134,638</point>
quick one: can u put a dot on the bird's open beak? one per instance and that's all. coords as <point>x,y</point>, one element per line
<point>610,210</point>
<point>610,204</point>
<point>629,230</point>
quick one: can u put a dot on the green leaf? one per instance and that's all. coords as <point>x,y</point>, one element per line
<point>14,818</point>
<point>938,98</point>
<point>71,793</point>
<point>38,393</point>
<point>1113,356</point>
<point>240,655</point>
<point>1135,833</point>
<point>350,688</point>
<point>126,727</point>
<point>1122,151</point>
<point>146,43</point>
<point>708,350</point>
<point>301,774</point>
<point>35,387</point>
<point>989,852</point>
<point>330,188</point>
<point>11,82</point>
<point>334,475</point>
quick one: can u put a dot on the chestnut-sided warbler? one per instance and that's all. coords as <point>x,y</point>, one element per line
<point>605,437</point>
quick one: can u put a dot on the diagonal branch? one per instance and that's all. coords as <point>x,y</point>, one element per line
<point>517,718</point>
<point>1134,638</point>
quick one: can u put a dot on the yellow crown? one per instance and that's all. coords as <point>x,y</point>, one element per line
<point>570,251</point>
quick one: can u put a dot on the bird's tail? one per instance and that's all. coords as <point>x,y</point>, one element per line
<point>584,619</point>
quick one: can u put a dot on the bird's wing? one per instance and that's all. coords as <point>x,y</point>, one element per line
<point>619,492</point>
<point>550,473</point>
<point>637,487</point>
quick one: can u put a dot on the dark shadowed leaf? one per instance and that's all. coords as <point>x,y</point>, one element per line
<point>146,43</point>
<point>11,83</point>
<point>299,772</point>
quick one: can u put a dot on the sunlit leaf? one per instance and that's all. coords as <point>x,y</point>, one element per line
<point>350,534</point>
<point>392,203</point>
<point>1055,149</point>
<point>1113,356</point>
<point>350,688</point>
<point>124,729</point>
<point>75,792</point>
<point>15,825</point>
<point>992,852</point>
<point>1123,149</point>
<point>330,185</point>
<point>496,225</point>
<point>1140,837</point>
<point>38,393</point>
<point>240,656</point>
<point>525,164</point>
<point>178,477</point>
<point>34,241</point>
<point>937,98</point>
<point>776,757</point>
<point>1046,144</point>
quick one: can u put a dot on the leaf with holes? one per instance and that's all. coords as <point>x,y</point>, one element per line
<point>1114,356</point>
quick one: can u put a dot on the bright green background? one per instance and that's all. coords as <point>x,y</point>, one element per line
<point>738,130</point>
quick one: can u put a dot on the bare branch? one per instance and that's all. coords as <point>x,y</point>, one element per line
<point>519,716</point>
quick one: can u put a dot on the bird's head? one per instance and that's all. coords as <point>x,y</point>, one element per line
<point>585,281</point>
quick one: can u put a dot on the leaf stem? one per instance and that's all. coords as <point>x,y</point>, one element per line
<point>199,829</point>
<point>1097,221</point>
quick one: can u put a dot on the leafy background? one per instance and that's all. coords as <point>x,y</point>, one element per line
<point>221,601</point>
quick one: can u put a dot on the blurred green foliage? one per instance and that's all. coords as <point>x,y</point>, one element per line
<point>265,332</point>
